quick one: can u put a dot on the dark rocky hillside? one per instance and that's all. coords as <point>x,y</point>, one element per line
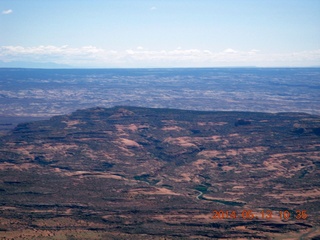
<point>141,173</point>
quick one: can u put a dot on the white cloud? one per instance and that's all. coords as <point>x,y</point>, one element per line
<point>153,8</point>
<point>63,54</point>
<point>5,12</point>
<point>91,56</point>
<point>230,50</point>
<point>254,51</point>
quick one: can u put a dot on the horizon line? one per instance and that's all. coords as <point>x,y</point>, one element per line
<point>100,68</point>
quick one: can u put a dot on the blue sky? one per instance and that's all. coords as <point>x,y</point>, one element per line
<point>163,33</point>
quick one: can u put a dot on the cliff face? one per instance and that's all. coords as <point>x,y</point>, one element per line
<point>160,172</point>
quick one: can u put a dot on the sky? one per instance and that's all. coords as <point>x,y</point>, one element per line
<point>161,33</point>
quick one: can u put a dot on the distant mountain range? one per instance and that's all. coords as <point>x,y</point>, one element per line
<point>21,64</point>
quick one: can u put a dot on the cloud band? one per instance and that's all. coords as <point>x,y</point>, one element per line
<point>91,56</point>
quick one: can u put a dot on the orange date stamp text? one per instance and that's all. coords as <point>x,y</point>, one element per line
<point>248,214</point>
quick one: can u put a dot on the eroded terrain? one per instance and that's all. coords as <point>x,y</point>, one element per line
<point>139,173</point>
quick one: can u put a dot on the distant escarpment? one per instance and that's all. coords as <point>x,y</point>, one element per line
<point>141,173</point>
